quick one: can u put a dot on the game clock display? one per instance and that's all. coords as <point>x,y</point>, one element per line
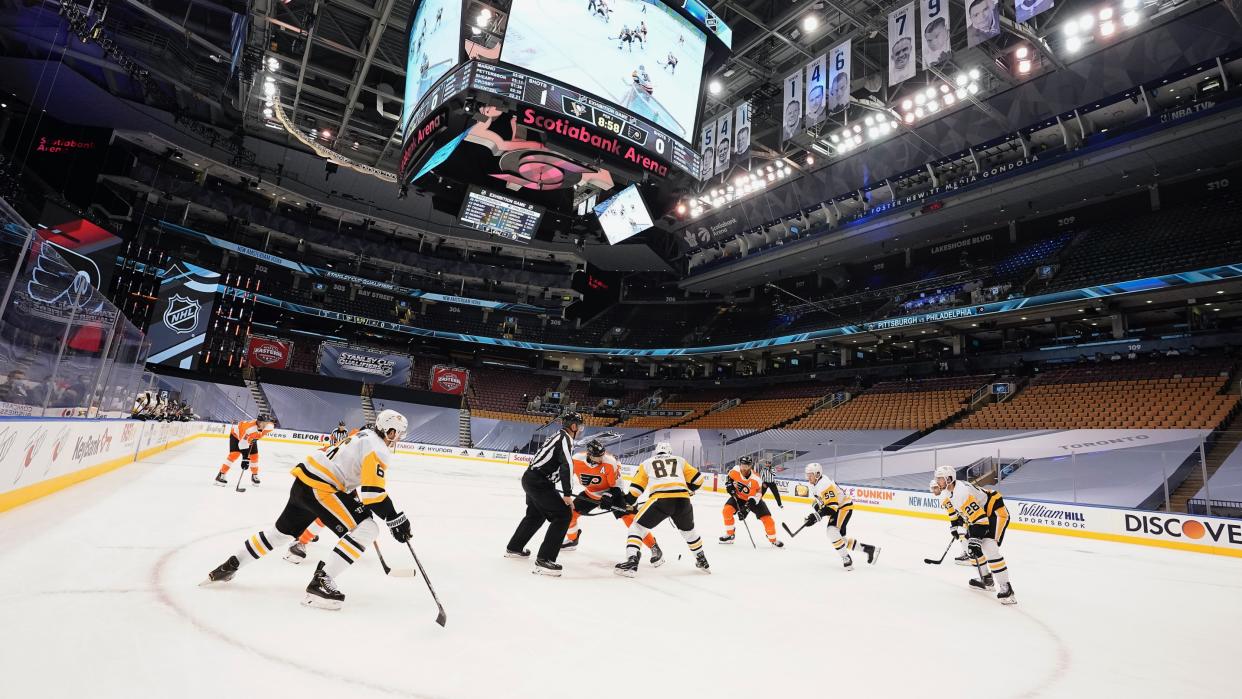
<point>553,97</point>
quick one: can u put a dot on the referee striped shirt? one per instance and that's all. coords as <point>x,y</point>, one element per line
<point>553,461</point>
<point>767,472</point>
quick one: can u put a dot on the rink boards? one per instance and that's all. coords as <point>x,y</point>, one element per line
<point>40,457</point>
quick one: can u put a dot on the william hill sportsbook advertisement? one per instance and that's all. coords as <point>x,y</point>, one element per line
<point>179,324</point>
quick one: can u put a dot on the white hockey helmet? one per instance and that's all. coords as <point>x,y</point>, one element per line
<point>813,468</point>
<point>663,449</point>
<point>391,420</point>
<point>948,473</point>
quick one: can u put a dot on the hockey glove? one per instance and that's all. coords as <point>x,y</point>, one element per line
<point>605,500</point>
<point>811,519</point>
<point>399,527</point>
<point>974,550</point>
<point>958,532</point>
<point>245,464</point>
<point>742,510</point>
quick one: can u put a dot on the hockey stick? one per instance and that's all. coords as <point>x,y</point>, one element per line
<point>746,526</point>
<point>388,570</point>
<point>936,562</point>
<point>792,534</point>
<point>241,476</point>
<point>442,616</point>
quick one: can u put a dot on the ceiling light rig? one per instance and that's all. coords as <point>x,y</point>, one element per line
<point>1101,25</point>
<point>740,186</point>
<point>940,95</point>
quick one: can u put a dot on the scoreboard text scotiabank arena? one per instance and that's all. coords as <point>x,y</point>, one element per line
<point>569,118</point>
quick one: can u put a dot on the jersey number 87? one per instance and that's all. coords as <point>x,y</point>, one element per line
<point>663,468</point>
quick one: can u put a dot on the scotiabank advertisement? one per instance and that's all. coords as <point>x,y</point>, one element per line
<point>447,379</point>
<point>267,353</point>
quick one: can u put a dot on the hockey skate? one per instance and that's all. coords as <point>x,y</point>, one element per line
<point>848,562</point>
<point>986,584</point>
<point>572,544</point>
<point>873,553</point>
<point>627,568</point>
<point>726,539</point>
<point>963,560</point>
<point>223,572</point>
<point>778,543</point>
<point>296,553</point>
<point>254,478</point>
<point>524,553</point>
<point>1006,595</point>
<point>221,480</point>
<point>657,556</point>
<point>700,562</point>
<point>321,593</point>
<point>545,567</point>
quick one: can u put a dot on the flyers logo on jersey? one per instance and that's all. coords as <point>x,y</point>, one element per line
<point>589,479</point>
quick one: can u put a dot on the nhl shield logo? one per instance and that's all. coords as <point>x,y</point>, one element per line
<point>181,316</point>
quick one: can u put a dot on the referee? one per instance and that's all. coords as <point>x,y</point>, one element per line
<point>767,474</point>
<point>550,467</point>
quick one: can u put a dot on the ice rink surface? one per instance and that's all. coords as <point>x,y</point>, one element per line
<point>99,597</point>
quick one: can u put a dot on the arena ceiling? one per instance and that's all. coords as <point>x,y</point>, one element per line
<point>342,62</point>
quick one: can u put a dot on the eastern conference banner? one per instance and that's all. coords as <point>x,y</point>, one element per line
<point>364,365</point>
<point>179,323</point>
<point>901,45</point>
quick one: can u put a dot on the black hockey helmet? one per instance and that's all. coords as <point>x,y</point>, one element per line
<point>745,461</point>
<point>265,417</point>
<point>595,448</point>
<point>341,423</point>
<point>571,419</point>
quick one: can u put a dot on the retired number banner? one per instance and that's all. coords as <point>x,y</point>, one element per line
<point>791,112</point>
<point>901,63</point>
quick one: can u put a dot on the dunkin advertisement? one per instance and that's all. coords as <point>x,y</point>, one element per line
<point>267,353</point>
<point>448,379</point>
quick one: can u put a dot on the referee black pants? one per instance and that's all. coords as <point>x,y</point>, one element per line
<point>543,504</point>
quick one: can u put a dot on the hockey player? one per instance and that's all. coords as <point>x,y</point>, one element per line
<point>668,482</point>
<point>297,550</point>
<point>244,444</point>
<point>600,475</point>
<point>957,525</point>
<point>746,496</point>
<point>832,504</point>
<point>986,521</point>
<point>338,435</point>
<point>343,486</point>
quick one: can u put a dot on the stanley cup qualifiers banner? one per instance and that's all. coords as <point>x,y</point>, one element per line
<point>368,366</point>
<point>724,142</point>
<point>707,151</point>
<point>901,45</point>
<point>449,379</point>
<point>791,113</point>
<point>267,353</point>
<point>816,90</point>
<point>839,77</point>
<point>179,323</point>
<point>741,132</point>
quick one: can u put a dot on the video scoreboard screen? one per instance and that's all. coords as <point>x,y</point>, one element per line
<point>623,216</point>
<point>500,215</point>
<point>528,89</point>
